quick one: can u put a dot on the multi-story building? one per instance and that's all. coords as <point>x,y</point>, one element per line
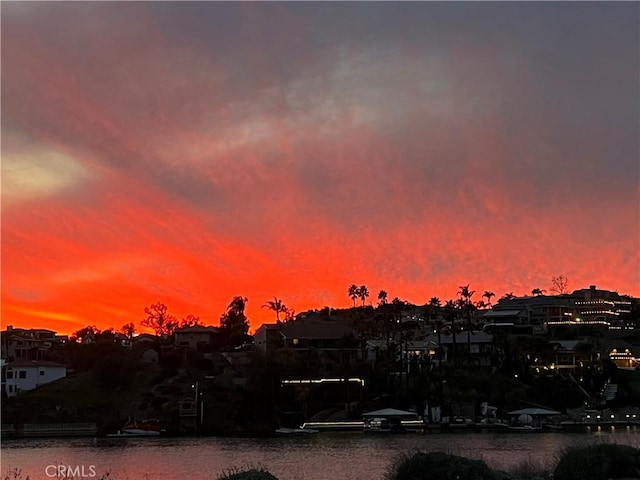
<point>593,305</point>
<point>27,344</point>
<point>473,348</point>
<point>335,343</point>
<point>587,306</point>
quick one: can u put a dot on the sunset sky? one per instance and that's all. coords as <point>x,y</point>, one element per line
<point>190,152</point>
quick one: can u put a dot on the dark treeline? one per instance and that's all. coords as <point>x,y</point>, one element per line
<point>396,354</point>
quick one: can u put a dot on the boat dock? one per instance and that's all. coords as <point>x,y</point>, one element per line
<point>35,430</point>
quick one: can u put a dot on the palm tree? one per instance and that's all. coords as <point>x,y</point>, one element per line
<point>277,306</point>
<point>465,297</point>
<point>363,293</point>
<point>450,314</point>
<point>465,293</point>
<point>354,293</point>
<point>508,296</point>
<point>488,294</point>
<point>382,297</point>
<point>434,304</point>
<point>536,292</point>
<point>398,307</point>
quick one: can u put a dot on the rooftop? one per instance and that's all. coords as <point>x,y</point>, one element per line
<point>34,363</point>
<point>318,329</point>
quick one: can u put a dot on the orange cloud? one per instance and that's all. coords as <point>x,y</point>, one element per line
<point>196,164</point>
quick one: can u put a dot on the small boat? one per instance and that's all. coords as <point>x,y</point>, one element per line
<point>148,428</point>
<point>382,425</point>
<point>391,420</point>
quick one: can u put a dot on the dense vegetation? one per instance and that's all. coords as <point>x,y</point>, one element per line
<point>109,383</point>
<point>594,462</point>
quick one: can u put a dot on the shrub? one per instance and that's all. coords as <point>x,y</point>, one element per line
<point>598,462</point>
<point>529,470</point>
<point>439,466</point>
<point>254,473</point>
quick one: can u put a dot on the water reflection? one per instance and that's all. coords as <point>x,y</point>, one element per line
<point>309,457</point>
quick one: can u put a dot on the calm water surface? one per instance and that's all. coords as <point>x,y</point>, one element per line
<point>349,456</point>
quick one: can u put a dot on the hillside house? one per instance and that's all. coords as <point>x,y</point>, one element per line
<point>25,375</point>
<point>335,343</point>
<point>472,348</point>
<point>198,337</point>
<point>27,344</point>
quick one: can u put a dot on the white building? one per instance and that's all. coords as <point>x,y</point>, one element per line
<point>25,375</point>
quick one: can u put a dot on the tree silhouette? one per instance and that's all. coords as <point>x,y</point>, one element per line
<point>128,330</point>
<point>277,306</point>
<point>559,284</point>
<point>398,306</point>
<point>536,292</point>
<point>363,293</point>
<point>234,325</point>
<point>488,294</point>
<point>86,335</point>
<point>467,307</point>
<point>508,296</point>
<point>190,321</point>
<point>353,293</point>
<point>434,305</point>
<point>158,319</point>
<point>289,314</point>
<point>396,302</point>
<point>382,297</point>
<point>450,314</point>
<point>466,294</point>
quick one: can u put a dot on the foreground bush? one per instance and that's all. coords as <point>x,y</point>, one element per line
<point>258,473</point>
<point>528,470</point>
<point>439,466</point>
<point>598,462</point>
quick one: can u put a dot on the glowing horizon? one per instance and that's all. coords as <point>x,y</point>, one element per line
<point>188,153</point>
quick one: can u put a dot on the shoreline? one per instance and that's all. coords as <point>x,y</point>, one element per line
<point>428,429</point>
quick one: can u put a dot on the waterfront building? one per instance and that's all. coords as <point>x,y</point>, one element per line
<point>335,342</point>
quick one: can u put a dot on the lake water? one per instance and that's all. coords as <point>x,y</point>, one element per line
<point>348,456</point>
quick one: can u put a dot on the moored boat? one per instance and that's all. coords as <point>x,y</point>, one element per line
<point>147,428</point>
